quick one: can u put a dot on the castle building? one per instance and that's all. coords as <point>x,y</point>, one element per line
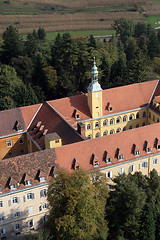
<point>114,131</point>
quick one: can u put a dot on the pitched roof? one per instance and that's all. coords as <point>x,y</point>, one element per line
<point>121,98</point>
<point>16,167</point>
<point>124,141</point>
<point>23,115</point>
<point>51,120</point>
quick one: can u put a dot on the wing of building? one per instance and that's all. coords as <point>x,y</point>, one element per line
<point>114,130</point>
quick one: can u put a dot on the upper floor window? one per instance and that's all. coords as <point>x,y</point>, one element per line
<point>154,118</point>
<point>137,115</point>
<point>42,179</point>
<point>118,120</point>
<point>27,183</point>
<point>43,193</point>
<point>130,117</point>
<point>144,114</point>
<point>120,157</point>
<point>14,200</point>
<point>97,135</point>
<point>88,126</point>
<point>1,218</point>
<point>112,131</point>
<point>16,214</point>
<point>2,231</point>
<point>29,196</point>
<point>155,161</point>
<point>30,210</point>
<point>109,174</point>
<point>143,165</point>
<point>111,121</point>
<point>131,168</point>
<point>31,223</point>
<point>9,143</point>
<point>105,123</point>
<point>44,206</point>
<point>124,118</point>
<point>13,186</point>
<point>1,203</point>
<point>20,140</point>
<point>149,114</point>
<point>121,170</point>
<point>96,124</point>
<point>118,130</point>
<point>104,133</point>
<point>16,227</point>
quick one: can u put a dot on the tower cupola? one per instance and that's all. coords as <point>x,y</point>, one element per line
<point>94,72</point>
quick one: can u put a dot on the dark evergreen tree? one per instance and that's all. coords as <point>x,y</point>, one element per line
<point>153,45</point>
<point>41,34</point>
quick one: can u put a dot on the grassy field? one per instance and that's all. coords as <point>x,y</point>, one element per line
<point>79,17</point>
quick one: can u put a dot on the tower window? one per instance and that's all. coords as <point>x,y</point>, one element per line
<point>97,124</point>
<point>118,120</point>
<point>105,123</point>
<point>111,121</point>
<point>88,126</point>
<point>124,118</point>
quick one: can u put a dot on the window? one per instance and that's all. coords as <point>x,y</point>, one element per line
<point>44,218</point>
<point>97,135</point>
<point>143,124</point>
<point>143,165</point>
<point>157,120</point>
<point>77,116</point>
<point>57,141</point>
<point>111,121</point>
<point>124,129</point>
<point>118,120</point>
<point>130,117</point>
<point>88,126</point>
<point>136,153</point>
<point>14,200</point>
<point>109,174</point>
<point>16,214</point>
<point>30,223</point>
<point>16,227</point>
<point>112,131</point>
<point>137,115</point>
<point>108,160</point>
<point>44,206</point>
<point>43,193</point>
<point>154,118</point>
<point>124,118</point>
<point>9,143</point>
<point>30,210</point>
<point>10,153</point>
<point>144,114</point>
<point>20,140</point>
<point>27,182</point>
<point>97,125</point>
<point>1,218</point>
<point>155,161</point>
<point>2,231</point>
<point>29,196</point>
<point>131,168</point>
<point>120,157</point>
<point>13,187</point>
<point>149,115</point>
<point>104,133</point>
<point>105,123</point>
<point>130,127</point>
<point>42,179</point>
<point>89,137</point>
<point>118,130</point>
<point>121,170</point>
<point>1,203</point>
<point>137,125</point>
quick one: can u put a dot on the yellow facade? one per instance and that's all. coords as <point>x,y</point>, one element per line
<point>52,140</point>
<point>95,103</point>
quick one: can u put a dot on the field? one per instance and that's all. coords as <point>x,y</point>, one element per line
<point>80,16</point>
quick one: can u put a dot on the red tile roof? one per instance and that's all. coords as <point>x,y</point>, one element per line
<point>83,151</point>
<point>50,120</point>
<point>121,98</point>
<point>8,118</point>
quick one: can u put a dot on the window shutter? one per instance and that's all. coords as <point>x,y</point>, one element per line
<point>110,173</point>
<point>140,165</point>
<point>18,199</point>
<point>24,198</point>
<point>32,195</point>
<point>9,203</point>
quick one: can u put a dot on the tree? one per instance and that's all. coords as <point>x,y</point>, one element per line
<point>31,45</point>
<point>12,44</point>
<point>77,206</point>
<point>41,34</point>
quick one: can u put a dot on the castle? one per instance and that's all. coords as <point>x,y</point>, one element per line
<point>115,131</point>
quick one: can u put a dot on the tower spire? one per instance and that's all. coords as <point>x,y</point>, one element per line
<point>94,84</point>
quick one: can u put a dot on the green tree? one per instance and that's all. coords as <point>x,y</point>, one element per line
<point>41,34</point>
<point>77,206</point>
<point>153,45</point>
<point>12,44</point>
<point>31,44</point>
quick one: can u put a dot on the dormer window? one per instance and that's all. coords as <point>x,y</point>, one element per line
<point>27,183</point>
<point>17,126</point>
<point>135,150</point>
<point>106,157</point>
<point>119,154</point>
<point>136,153</point>
<point>13,186</point>
<point>76,114</point>
<point>109,107</point>
<point>120,157</point>
<point>42,179</point>
<point>147,147</point>
<point>157,144</point>
<point>75,164</point>
<point>108,160</point>
<point>95,160</point>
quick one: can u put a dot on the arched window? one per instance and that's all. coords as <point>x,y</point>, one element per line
<point>97,124</point>
<point>137,125</point>
<point>124,118</point>
<point>143,124</point>
<point>144,114</point>
<point>137,115</point>
<point>111,121</point>
<point>105,123</point>
<point>111,132</point>
<point>157,119</point>
<point>89,137</point>
<point>124,129</point>
<point>130,127</point>
<point>104,133</point>
<point>130,117</point>
<point>118,120</point>
<point>88,126</point>
<point>118,130</point>
<point>97,135</point>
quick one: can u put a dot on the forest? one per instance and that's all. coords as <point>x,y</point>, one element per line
<point>37,69</point>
